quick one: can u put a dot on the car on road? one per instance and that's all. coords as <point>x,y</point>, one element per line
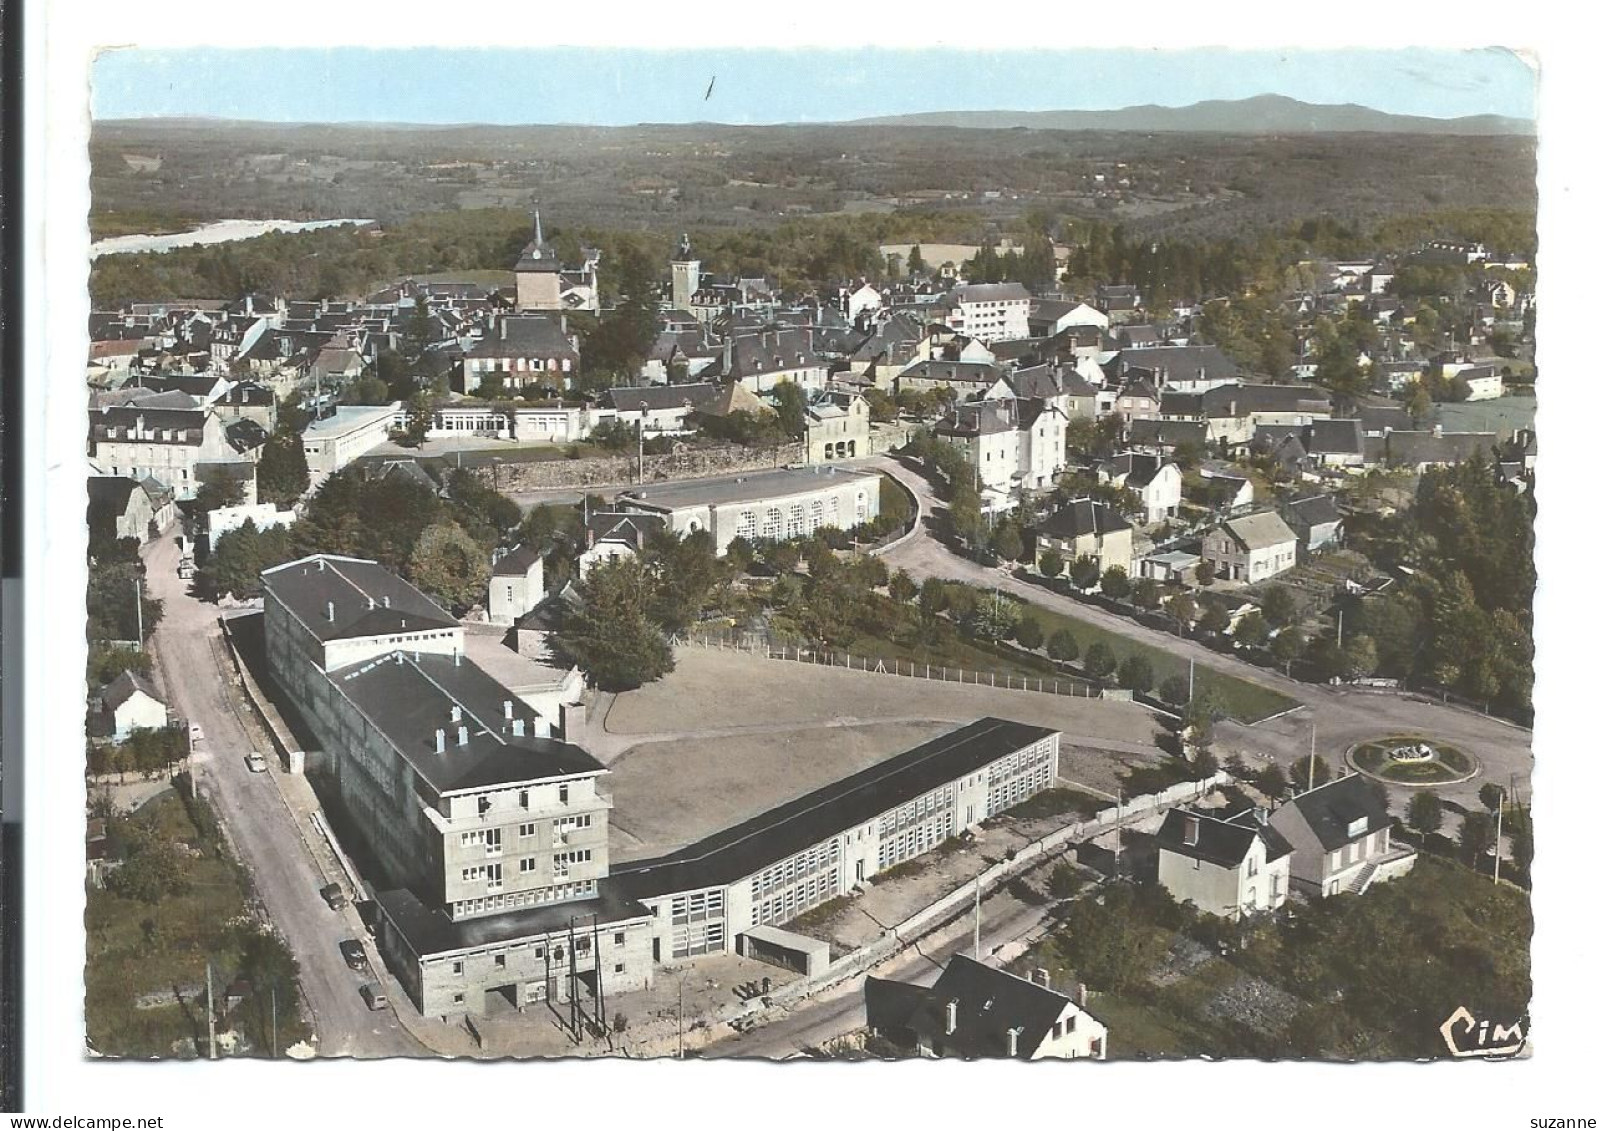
<point>333,896</point>
<point>374,996</point>
<point>195,732</point>
<point>352,951</point>
<point>256,763</point>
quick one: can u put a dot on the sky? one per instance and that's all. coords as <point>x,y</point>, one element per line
<point>593,86</point>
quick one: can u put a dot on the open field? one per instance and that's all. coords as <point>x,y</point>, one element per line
<point>700,762</point>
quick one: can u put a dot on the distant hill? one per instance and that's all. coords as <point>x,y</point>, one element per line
<point>1264,114</point>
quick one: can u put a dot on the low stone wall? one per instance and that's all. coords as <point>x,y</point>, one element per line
<point>604,471</point>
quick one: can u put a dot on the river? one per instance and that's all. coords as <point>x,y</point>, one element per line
<point>221,231</point>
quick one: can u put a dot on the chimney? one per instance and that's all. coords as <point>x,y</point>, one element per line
<point>463,736</point>
<point>1191,830</point>
<point>457,659</point>
<point>371,602</point>
<point>1011,1036</point>
<point>507,708</point>
<point>1040,977</point>
<point>502,327</point>
<point>457,713</point>
<point>1261,815</point>
<point>440,741</point>
<point>1082,995</point>
<point>387,600</point>
<point>952,1019</point>
<point>329,611</point>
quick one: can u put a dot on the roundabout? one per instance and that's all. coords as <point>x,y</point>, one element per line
<point>1412,760</point>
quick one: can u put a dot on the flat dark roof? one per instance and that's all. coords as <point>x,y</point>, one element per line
<point>430,931</point>
<point>751,487</point>
<point>757,843</point>
<point>408,697</point>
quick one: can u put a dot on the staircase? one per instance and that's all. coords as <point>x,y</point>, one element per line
<point>1364,876</point>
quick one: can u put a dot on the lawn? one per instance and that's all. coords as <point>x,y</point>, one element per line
<point>1241,699</point>
<point>139,950</point>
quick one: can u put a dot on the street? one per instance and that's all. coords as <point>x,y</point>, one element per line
<point>1341,716</point>
<point>198,678</point>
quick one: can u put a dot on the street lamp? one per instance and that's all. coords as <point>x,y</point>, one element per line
<point>641,446</point>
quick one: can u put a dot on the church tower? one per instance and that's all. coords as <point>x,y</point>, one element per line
<point>536,280</point>
<point>685,271</point>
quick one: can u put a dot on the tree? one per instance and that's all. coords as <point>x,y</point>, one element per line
<point>1271,780</point>
<point>1007,542</point>
<point>1199,720</point>
<point>1062,646</point>
<point>684,570</point>
<point>901,586</point>
<point>1181,609</point>
<point>219,491</point>
<point>420,415</point>
<point>1029,634</point>
<point>1287,647</point>
<point>1051,564</point>
<point>1136,674</point>
<point>965,513</point>
<point>1360,657</point>
<point>1477,836</point>
<point>450,566</point>
<point>1114,584</point>
<point>1146,593</point>
<point>1085,572</point>
<point>994,618</point>
<point>1064,882</point>
<point>1205,573</point>
<point>1175,690</point>
<point>1214,618</point>
<point>1099,661</point>
<point>1424,814</point>
<point>1251,631</point>
<point>611,636</point>
<point>1418,404</point>
<point>1492,796</point>
<point>1302,773</point>
<point>1325,658</point>
<point>1278,606</point>
<point>282,471</point>
<point>790,406</point>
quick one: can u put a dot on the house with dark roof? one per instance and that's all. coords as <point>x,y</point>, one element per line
<point>987,311</point>
<point>761,360</point>
<point>1085,528</point>
<point>129,703</point>
<point>1334,443</point>
<point>1013,443</point>
<point>515,586</point>
<point>525,350</point>
<point>1164,437</point>
<point>1156,480</point>
<point>979,1012</point>
<point>1231,867</point>
<point>1315,519</point>
<point>611,535</point>
<point>171,446</point>
<point>661,410</point>
<point>1418,451</point>
<point>122,507</point>
<point>1340,832</point>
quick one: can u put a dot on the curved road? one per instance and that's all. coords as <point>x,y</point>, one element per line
<point>1341,716</point>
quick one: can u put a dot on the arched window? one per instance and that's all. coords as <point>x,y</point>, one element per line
<point>772,522</point>
<point>795,520</point>
<point>747,525</point>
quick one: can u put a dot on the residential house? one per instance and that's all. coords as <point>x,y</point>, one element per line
<point>611,535</point>
<point>1484,382</point>
<point>837,426</point>
<point>1048,317</point>
<point>123,507</point>
<point>1013,444</point>
<point>1334,443</point>
<point>1315,520</point>
<point>170,446</point>
<point>525,351</point>
<point>1086,528</point>
<point>977,1012</point>
<point>515,586</point>
<point>1251,548</point>
<point>1157,481</point>
<point>1340,832</point>
<point>1119,302</point>
<point>761,361</point>
<point>1137,400</point>
<point>659,410</point>
<point>1418,451</point>
<point>129,703</point>
<point>1230,867</point>
<point>968,379</point>
<point>1222,491</point>
<point>1164,437</point>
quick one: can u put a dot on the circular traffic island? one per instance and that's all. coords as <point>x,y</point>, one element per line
<point>1412,760</point>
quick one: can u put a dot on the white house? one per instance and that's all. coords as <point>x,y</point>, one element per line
<point>988,312</point>
<point>611,535</point>
<point>976,1011</point>
<point>1226,866</point>
<point>1252,548</point>
<point>1012,443</point>
<point>353,430</point>
<point>264,516</point>
<point>1340,833</point>
<point>130,702</point>
<point>515,586</point>
<point>1157,482</point>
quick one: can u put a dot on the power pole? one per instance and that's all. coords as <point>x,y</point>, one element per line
<point>1341,636</point>
<point>274,992</point>
<point>976,924</point>
<point>1499,808</point>
<point>1191,680</point>
<point>139,616</point>
<point>1311,762</point>
<point>641,446</point>
<point>680,1017</point>
<point>211,1017</point>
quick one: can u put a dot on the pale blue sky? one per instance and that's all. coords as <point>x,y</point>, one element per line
<point>621,87</point>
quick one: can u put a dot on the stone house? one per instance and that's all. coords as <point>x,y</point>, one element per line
<point>1226,866</point>
<point>1340,833</point>
<point>1250,549</point>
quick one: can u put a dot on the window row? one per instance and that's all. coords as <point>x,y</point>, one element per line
<point>797,899</point>
<point>810,860</point>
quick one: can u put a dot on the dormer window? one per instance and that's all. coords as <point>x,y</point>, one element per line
<point>1357,827</point>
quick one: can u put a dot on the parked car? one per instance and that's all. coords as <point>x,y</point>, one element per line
<point>374,996</point>
<point>354,954</point>
<point>256,763</point>
<point>195,732</point>
<point>333,896</point>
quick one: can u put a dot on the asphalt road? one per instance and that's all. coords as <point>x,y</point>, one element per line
<point>1341,716</point>
<point>198,678</point>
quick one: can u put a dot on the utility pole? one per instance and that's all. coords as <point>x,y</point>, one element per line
<point>976,924</point>
<point>1499,809</point>
<point>1118,868</point>
<point>139,616</point>
<point>211,1017</point>
<point>1191,680</point>
<point>274,992</point>
<point>641,446</point>
<point>680,1017</point>
<point>1341,639</point>
<point>1311,762</point>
